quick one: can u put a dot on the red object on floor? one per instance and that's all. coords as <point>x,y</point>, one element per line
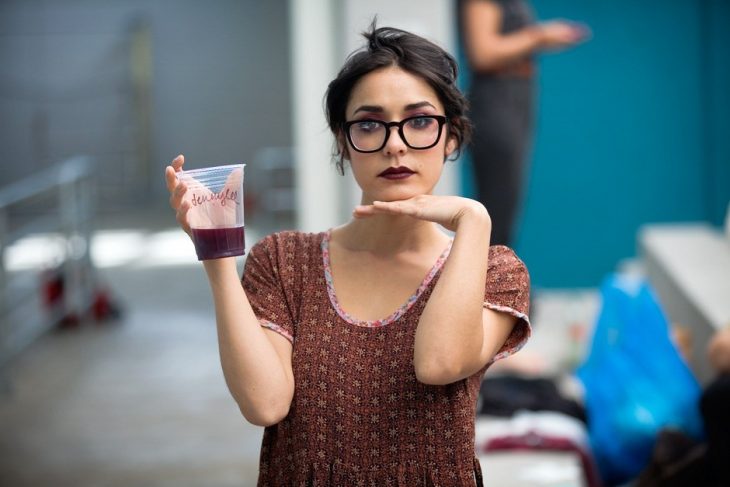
<point>52,287</point>
<point>103,307</point>
<point>534,441</point>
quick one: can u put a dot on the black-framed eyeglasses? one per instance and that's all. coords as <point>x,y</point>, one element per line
<point>419,132</point>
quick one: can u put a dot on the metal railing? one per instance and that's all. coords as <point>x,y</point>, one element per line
<point>56,201</point>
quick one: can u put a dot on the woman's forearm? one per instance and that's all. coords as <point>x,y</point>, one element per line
<point>450,333</point>
<point>257,371</point>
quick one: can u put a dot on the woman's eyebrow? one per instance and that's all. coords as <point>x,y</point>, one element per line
<point>420,104</point>
<point>379,109</point>
<point>369,108</point>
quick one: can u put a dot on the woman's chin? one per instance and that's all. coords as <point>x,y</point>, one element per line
<point>394,195</point>
<point>396,192</point>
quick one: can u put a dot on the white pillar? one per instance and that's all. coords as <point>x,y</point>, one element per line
<point>313,27</point>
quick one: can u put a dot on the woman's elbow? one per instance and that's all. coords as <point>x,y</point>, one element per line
<point>432,378</point>
<point>440,374</point>
<point>266,416</point>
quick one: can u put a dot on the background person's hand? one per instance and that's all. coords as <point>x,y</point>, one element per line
<point>447,211</point>
<point>177,192</point>
<point>718,351</point>
<point>560,34</point>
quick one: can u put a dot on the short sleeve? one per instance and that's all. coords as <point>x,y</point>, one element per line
<point>508,291</point>
<point>264,286</point>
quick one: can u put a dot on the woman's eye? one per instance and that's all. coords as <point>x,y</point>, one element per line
<point>367,126</point>
<point>421,122</point>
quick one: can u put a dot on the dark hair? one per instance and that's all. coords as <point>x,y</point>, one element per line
<point>388,46</point>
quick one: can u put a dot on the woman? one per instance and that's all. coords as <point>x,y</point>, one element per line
<point>361,348</point>
<point>500,40</point>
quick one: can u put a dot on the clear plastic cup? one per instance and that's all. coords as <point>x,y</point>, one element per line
<point>215,195</point>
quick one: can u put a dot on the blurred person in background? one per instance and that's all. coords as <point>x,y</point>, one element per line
<point>681,461</point>
<point>361,348</point>
<point>501,39</point>
<point>715,407</point>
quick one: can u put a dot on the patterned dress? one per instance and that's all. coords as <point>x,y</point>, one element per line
<point>359,416</point>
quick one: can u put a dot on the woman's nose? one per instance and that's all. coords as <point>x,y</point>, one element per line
<point>395,143</point>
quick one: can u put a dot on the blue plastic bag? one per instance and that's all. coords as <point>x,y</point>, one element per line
<point>635,381</point>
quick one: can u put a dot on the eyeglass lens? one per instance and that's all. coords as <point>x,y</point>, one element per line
<point>418,132</point>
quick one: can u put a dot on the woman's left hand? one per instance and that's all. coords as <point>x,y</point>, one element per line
<point>447,211</point>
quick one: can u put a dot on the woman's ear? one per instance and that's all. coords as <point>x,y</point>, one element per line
<point>342,146</point>
<point>451,145</point>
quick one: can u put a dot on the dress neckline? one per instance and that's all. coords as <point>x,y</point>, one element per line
<point>398,312</point>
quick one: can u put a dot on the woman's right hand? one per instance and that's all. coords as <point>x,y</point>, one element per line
<point>177,190</point>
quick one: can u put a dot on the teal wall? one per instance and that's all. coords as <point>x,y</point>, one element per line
<point>716,18</point>
<point>633,127</point>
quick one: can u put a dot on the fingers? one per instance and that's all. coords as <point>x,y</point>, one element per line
<point>177,191</point>
<point>174,167</point>
<point>556,34</point>
<point>405,207</point>
<point>177,195</point>
<point>582,32</point>
<point>563,32</point>
<point>175,187</point>
<point>170,179</point>
<point>181,215</point>
<point>364,211</point>
<point>178,162</point>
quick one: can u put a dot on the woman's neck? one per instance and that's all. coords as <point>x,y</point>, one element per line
<point>390,234</point>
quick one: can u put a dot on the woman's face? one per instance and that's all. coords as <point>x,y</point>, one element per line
<point>396,172</point>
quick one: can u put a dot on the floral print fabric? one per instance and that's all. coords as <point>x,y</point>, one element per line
<point>359,416</point>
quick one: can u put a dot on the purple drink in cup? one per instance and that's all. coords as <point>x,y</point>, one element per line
<point>215,195</point>
<point>214,243</point>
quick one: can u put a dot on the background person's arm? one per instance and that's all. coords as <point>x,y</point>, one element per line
<point>487,49</point>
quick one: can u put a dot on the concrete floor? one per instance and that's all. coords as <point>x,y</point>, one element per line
<point>142,402</point>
